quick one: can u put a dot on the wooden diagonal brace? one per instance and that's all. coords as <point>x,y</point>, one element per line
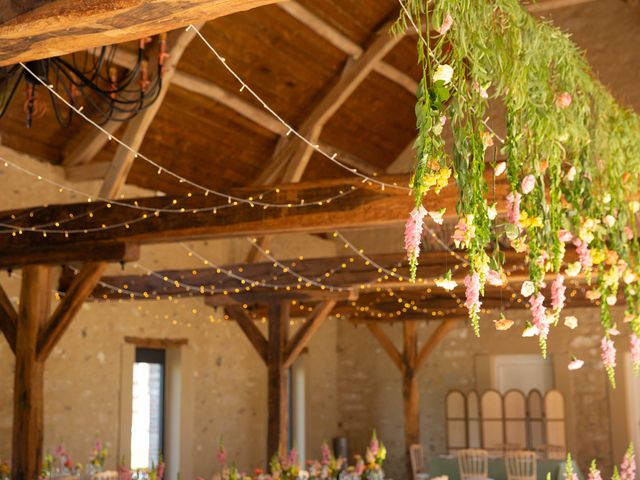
<point>303,335</point>
<point>250,330</point>
<point>8,319</point>
<point>386,344</point>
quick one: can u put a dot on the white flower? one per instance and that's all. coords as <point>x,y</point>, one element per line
<point>571,322</point>
<point>613,331</point>
<point>573,269</point>
<point>531,331</point>
<point>609,220</point>
<point>628,276</point>
<point>575,364</point>
<point>612,300</point>
<point>492,211</point>
<point>500,168</point>
<point>527,288</point>
<point>437,215</point>
<point>444,73</point>
<point>634,206</point>
<point>606,198</point>
<point>571,174</point>
<point>447,284</point>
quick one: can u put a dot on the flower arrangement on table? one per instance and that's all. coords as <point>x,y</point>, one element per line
<point>570,157</point>
<point>329,467</point>
<point>98,456</point>
<point>5,471</point>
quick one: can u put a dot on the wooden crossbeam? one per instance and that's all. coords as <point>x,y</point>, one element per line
<point>387,344</point>
<point>299,341</point>
<point>18,255</point>
<point>8,319</point>
<point>364,207</point>
<point>251,331</point>
<point>49,28</point>
<point>73,299</point>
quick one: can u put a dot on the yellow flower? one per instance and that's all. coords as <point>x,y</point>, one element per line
<point>598,255</point>
<point>526,221</point>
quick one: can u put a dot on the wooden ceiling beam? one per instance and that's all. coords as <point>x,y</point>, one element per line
<point>344,43</point>
<point>293,157</point>
<point>301,338</point>
<point>48,28</point>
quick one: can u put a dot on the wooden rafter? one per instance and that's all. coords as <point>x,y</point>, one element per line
<point>136,130</point>
<point>48,28</point>
<point>344,43</point>
<point>295,154</point>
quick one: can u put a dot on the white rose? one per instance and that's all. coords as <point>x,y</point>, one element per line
<point>527,288</point>
<point>571,322</point>
<point>444,73</point>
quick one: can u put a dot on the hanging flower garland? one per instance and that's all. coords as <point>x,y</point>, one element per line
<point>571,157</point>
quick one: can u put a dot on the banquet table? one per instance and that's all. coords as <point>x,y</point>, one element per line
<point>448,465</point>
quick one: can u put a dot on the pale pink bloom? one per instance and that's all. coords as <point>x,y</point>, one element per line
<point>437,216</point>
<point>584,255</point>
<point>487,140</point>
<point>222,455</point>
<point>628,466</point>
<point>564,235</point>
<point>513,207</point>
<point>635,350</point>
<point>413,231</point>
<point>608,353</point>
<point>612,300</point>
<point>558,292</point>
<point>575,364</point>
<point>460,233</point>
<point>472,292</point>
<point>528,184</point>
<point>592,295</point>
<point>613,331</point>
<point>539,314</point>
<point>563,100</point>
<point>594,473</point>
<point>628,232</point>
<point>500,168</point>
<point>446,25</point>
<point>493,278</point>
<point>571,174</point>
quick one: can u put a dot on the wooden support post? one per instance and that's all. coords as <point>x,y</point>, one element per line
<point>410,393</point>
<point>278,389</point>
<point>28,401</point>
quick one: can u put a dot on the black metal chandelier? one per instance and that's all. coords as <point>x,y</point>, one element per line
<point>92,81</point>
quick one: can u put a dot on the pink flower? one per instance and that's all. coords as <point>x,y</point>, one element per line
<point>293,457</point>
<point>635,351</point>
<point>472,293</point>
<point>608,353</point>
<point>628,232</point>
<point>374,445</point>
<point>222,454</point>
<point>460,232</point>
<point>584,255</point>
<point>628,466</point>
<point>413,231</point>
<point>493,278</point>
<point>326,454</point>
<point>539,314</point>
<point>563,100</point>
<point>446,25</point>
<point>564,235</point>
<point>557,292</point>
<point>528,184</point>
<point>575,364</point>
<point>513,207</point>
<point>594,473</point>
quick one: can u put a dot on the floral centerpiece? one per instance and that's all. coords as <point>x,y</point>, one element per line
<point>98,457</point>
